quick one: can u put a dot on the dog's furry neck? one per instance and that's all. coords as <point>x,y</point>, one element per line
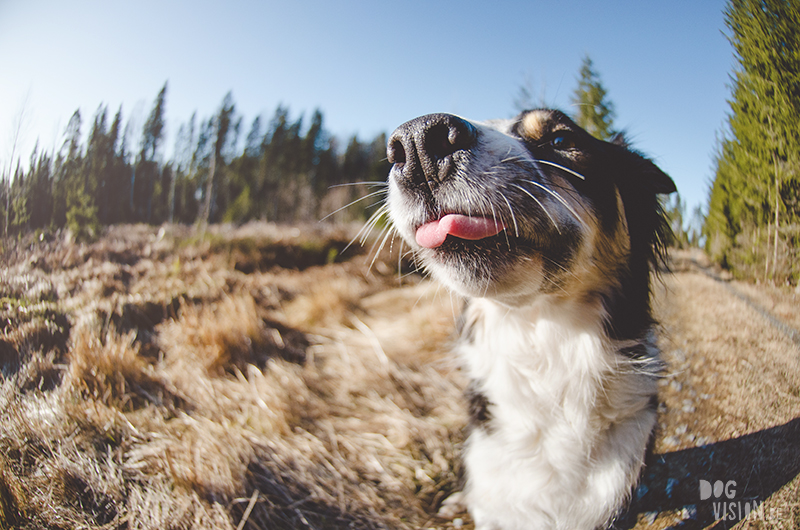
<point>563,342</point>
<point>554,390</point>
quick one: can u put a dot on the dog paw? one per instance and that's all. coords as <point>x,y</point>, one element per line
<point>453,505</point>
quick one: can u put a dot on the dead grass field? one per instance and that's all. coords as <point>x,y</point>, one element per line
<point>259,378</point>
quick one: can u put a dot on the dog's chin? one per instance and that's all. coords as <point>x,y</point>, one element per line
<point>499,267</point>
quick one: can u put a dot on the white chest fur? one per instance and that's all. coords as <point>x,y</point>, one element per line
<point>569,417</point>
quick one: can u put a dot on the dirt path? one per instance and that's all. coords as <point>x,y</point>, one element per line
<point>778,307</point>
<point>730,413</point>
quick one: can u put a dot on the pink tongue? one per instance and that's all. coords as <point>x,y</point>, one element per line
<point>433,234</point>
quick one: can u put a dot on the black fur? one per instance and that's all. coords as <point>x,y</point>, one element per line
<point>479,415</point>
<point>609,167</point>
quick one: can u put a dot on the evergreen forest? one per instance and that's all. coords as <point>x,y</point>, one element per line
<point>753,222</point>
<point>283,170</point>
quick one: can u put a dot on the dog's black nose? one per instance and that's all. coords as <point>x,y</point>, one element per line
<point>422,149</point>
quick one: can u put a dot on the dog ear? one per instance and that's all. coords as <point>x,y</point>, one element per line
<point>660,181</point>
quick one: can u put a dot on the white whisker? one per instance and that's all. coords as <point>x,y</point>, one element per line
<point>389,232</point>
<point>368,183</point>
<point>365,197</point>
<point>362,235</point>
<point>559,166</point>
<point>529,194</point>
<point>560,199</point>
<point>513,217</point>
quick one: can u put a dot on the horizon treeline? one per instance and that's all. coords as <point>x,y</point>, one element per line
<point>753,221</point>
<point>282,170</point>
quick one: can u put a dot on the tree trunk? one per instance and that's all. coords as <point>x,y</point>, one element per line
<point>766,251</point>
<point>210,184</point>
<point>209,187</point>
<point>777,225</point>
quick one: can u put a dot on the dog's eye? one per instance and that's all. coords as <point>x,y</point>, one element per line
<point>562,142</point>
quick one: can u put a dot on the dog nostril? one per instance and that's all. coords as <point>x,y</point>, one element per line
<point>444,139</point>
<point>437,142</point>
<point>395,152</point>
<point>421,149</point>
<point>449,135</point>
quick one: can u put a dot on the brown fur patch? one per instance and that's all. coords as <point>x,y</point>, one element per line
<point>534,124</point>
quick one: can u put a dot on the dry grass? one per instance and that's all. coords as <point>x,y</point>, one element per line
<point>170,379</point>
<point>153,381</point>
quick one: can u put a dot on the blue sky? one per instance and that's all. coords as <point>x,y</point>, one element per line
<point>369,65</point>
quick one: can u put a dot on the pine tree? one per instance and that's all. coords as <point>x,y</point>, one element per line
<point>147,168</point>
<point>223,129</point>
<point>594,111</point>
<point>97,163</point>
<point>183,200</point>
<point>309,179</point>
<point>68,181</point>
<point>115,190</point>
<point>254,138</point>
<point>154,127</point>
<point>20,205</point>
<point>75,200</point>
<point>275,166</point>
<point>82,215</point>
<point>41,190</point>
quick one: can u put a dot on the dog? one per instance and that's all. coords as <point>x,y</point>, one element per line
<point>551,236</point>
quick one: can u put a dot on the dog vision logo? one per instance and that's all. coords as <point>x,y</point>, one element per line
<point>724,504</point>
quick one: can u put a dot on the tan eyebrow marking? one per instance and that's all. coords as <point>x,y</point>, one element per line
<point>533,125</point>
